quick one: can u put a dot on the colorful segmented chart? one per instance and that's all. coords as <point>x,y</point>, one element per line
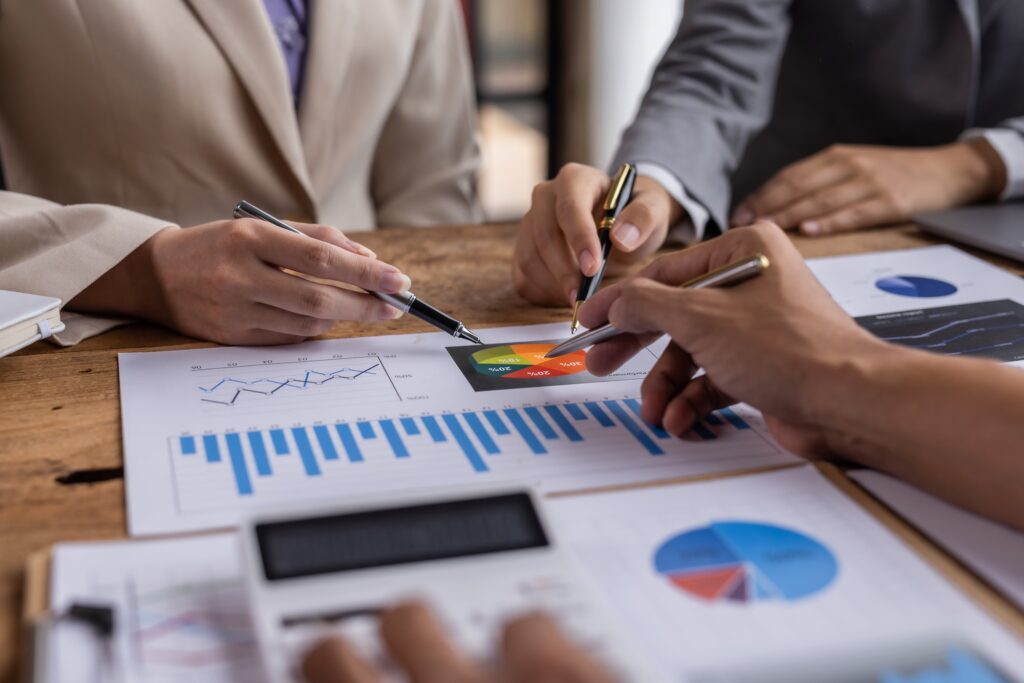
<point>526,361</point>
<point>746,562</point>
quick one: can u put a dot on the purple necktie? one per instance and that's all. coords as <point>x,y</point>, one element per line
<point>290,21</point>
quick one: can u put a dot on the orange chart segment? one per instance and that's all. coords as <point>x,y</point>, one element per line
<point>526,361</point>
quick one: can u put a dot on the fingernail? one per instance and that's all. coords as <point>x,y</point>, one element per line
<point>627,234</point>
<point>572,297</point>
<point>742,216</point>
<point>395,282</point>
<point>588,264</point>
<point>810,228</point>
<point>390,313</point>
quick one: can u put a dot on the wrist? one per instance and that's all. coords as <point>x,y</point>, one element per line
<point>148,296</point>
<point>981,168</point>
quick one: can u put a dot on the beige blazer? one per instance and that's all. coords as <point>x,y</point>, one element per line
<point>121,117</point>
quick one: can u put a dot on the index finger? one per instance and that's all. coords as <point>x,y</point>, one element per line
<point>794,182</point>
<point>578,189</point>
<point>335,660</point>
<point>415,639</point>
<point>535,649</point>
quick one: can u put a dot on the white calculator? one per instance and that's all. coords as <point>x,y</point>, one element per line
<point>478,559</point>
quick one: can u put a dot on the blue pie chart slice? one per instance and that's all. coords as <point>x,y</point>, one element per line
<point>915,286</point>
<point>740,561</point>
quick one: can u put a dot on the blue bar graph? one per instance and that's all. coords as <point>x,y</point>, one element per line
<point>391,434</point>
<point>548,430</point>
<point>280,443</point>
<point>242,480</point>
<point>734,419</point>
<point>636,430</point>
<point>481,433</point>
<point>366,430</point>
<point>306,451</point>
<point>211,448</point>
<point>323,437</point>
<point>542,425</point>
<point>519,424</point>
<point>497,424</point>
<point>259,453</point>
<point>563,424</point>
<point>467,446</point>
<point>599,414</point>
<point>576,412</point>
<point>348,442</point>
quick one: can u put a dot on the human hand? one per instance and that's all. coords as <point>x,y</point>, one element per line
<point>778,342</point>
<point>223,281</point>
<point>847,187</point>
<point>533,650</point>
<point>558,235</point>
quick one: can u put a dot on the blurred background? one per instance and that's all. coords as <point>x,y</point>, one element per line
<point>557,81</point>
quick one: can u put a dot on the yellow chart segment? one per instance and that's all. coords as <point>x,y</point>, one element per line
<point>526,361</point>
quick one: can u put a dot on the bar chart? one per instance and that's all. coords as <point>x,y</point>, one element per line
<point>531,442</point>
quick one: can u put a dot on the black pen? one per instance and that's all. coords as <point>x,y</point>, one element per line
<point>619,195</point>
<point>406,301</point>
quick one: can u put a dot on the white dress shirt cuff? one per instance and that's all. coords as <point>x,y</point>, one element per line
<point>695,218</point>
<point>1009,145</point>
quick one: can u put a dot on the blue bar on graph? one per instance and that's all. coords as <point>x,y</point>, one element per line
<point>211,448</point>
<point>481,433</point>
<point>634,405</point>
<point>409,425</point>
<point>188,445</point>
<point>599,414</point>
<point>467,446</point>
<point>524,431</point>
<point>388,427</point>
<point>306,451</point>
<point>497,424</point>
<point>323,437</point>
<point>563,423</point>
<point>348,440</point>
<point>711,418</point>
<point>545,429</point>
<point>636,430</point>
<point>703,432</point>
<point>734,419</point>
<point>435,429</point>
<point>259,453</point>
<point>280,443</point>
<point>366,430</point>
<point>576,412</point>
<point>242,481</point>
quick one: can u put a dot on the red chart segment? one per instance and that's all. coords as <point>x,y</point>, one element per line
<point>526,361</point>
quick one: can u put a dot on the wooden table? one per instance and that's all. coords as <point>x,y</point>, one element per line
<point>59,410</point>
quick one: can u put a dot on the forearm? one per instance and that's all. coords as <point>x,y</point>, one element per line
<point>953,426</point>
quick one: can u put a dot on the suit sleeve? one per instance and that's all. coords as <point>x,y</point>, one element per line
<point>55,250</point>
<point>428,154</point>
<point>710,94</point>
<point>1008,141</point>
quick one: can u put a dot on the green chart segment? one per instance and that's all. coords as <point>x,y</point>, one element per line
<point>526,361</point>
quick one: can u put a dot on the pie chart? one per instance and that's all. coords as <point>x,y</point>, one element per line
<point>915,286</point>
<point>745,562</point>
<point>526,361</point>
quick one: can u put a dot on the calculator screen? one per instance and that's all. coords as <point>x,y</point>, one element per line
<point>419,533</point>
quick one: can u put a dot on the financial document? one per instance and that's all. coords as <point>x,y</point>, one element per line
<point>211,434</point>
<point>722,580</point>
<point>937,299</point>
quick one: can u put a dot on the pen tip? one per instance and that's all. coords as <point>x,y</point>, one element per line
<point>469,336</point>
<point>575,318</point>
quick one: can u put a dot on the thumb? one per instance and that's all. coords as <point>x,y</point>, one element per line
<point>643,217</point>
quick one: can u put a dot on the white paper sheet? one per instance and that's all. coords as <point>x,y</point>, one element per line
<point>935,298</point>
<point>212,433</point>
<point>763,572</point>
<point>993,550</point>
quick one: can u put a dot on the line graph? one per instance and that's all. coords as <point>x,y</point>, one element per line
<point>990,329</point>
<point>267,386</point>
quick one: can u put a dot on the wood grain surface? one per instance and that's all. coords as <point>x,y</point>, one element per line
<point>60,417</point>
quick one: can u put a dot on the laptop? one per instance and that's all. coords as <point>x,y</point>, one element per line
<point>998,228</point>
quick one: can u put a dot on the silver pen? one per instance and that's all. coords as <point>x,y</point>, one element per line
<point>405,301</point>
<point>725,276</point>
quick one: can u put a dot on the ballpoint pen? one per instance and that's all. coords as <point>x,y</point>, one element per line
<point>618,196</point>
<point>405,301</point>
<point>727,275</point>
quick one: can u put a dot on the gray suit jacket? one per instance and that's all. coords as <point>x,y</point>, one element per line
<point>749,86</point>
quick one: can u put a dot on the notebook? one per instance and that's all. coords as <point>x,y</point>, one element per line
<point>26,318</point>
